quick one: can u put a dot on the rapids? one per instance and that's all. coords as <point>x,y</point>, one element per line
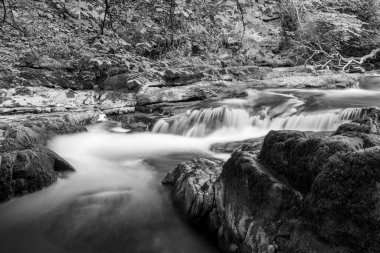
<point>115,202</point>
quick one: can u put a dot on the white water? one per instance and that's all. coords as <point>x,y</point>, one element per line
<point>114,202</point>
<point>200,123</point>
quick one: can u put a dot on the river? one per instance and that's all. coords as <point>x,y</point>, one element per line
<point>115,201</point>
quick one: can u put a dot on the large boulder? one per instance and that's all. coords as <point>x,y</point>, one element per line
<point>24,171</point>
<point>242,205</point>
<point>298,159</point>
<point>25,165</point>
<point>251,204</point>
<point>303,193</point>
<point>367,125</point>
<point>344,203</point>
<point>193,184</point>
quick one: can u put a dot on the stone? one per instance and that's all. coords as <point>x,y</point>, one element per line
<point>181,77</point>
<point>298,158</point>
<point>246,145</point>
<point>344,203</point>
<point>46,62</point>
<point>305,192</point>
<point>29,170</point>
<point>25,165</point>
<point>154,95</point>
<point>122,81</point>
<point>367,125</point>
<point>193,186</point>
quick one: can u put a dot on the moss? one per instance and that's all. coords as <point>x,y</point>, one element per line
<point>344,200</point>
<point>299,159</point>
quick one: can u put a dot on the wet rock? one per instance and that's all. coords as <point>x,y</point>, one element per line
<point>26,166</point>
<point>251,202</point>
<point>193,187</point>
<point>370,82</point>
<point>246,145</point>
<point>136,122</point>
<point>368,125</point>
<point>239,205</point>
<point>307,192</point>
<point>29,170</point>
<point>300,159</point>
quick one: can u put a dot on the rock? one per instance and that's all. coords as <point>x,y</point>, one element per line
<point>305,80</point>
<point>370,82</point>
<point>368,125</point>
<point>26,166</point>
<point>136,122</point>
<point>181,77</point>
<point>29,170</point>
<point>299,159</point>
<point>307,192</point>
<point>122,82</point>
<point>134,84</point>
<point>154,95</point>
<point>46,62</point>
<point>250,202</point>
<point>246,145</point>
<point>193,186</point>
<point>344,203</point>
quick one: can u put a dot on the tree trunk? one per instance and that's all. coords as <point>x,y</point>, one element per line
<point>5,11</point>
<point>105,17</point>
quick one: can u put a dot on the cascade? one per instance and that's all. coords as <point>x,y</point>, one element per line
<point>198,123</point>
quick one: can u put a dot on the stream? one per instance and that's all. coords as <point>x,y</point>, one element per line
<point>115,202</point>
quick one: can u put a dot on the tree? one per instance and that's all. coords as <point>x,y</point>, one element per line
<point>330,33</point>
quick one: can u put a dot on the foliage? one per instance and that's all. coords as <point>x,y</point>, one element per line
<point>315,30</point>
<point>71,29</point>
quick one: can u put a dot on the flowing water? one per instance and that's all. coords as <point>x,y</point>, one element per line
<point>115,202</point>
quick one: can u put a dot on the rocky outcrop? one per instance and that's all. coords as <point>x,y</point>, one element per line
<point>155,95</point>
<point>25,164</point>
<point>344,203</point>
<point>302,193</point>
<point>299,159</point>
<point>39,100</point>
<point>252,145</point>
<point>29,170</point>
<point>368,125</point>
<point>193,184</point>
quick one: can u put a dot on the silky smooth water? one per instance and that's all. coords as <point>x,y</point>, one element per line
<point>114,202</point>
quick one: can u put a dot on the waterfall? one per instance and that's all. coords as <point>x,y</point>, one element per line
<point>198,123</point>
<point>203,122</point>
<point>320,121</point>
